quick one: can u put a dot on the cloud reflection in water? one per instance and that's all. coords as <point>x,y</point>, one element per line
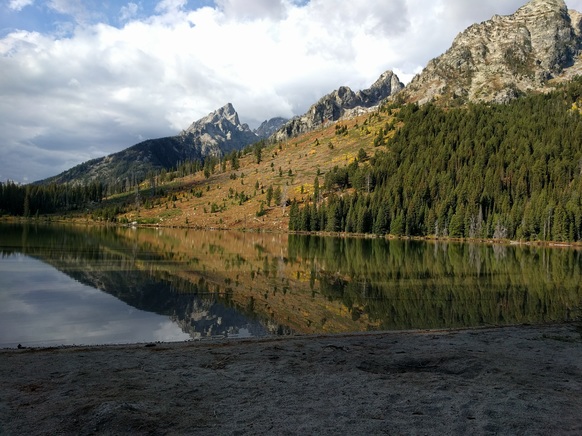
<point>41,306</point>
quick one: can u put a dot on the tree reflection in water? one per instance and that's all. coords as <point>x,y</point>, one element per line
<point>236,284</point>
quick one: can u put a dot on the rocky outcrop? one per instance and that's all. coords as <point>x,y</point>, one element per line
<point>268,127</point>
<point>501,58</point>
<point>219,132</point>
<point>337,104</point>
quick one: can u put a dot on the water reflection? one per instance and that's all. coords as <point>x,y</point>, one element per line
<point>103,262</point>
<point>40,305</point>
<point>239,284</point>
<point>412,284</point>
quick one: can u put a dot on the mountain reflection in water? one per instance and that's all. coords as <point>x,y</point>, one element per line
<point>250,284</point>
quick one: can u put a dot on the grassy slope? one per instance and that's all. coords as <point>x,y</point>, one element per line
<point>302,155</point>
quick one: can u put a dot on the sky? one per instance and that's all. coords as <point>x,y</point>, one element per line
<point>81,79</point>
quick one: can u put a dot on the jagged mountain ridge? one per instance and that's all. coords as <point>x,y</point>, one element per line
<point>504,57</point>
<point>340,103</point>
<point>219,133</point>
<point>494,61</point>
<point>214,135</point>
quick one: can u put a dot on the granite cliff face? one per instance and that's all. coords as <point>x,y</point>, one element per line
<point>340,103</point>
<point>219,132</point>
<point>506,56</point>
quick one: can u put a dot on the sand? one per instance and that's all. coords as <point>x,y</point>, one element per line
<point>512,380</point>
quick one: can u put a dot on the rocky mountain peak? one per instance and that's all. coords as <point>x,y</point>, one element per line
<point>388,80</point>
<point>224,118</point>
<point>219,132</point>
<point>501,58</point>
<point>216,134</point>
<point>540,5</point>
<point>227,112</point>
<point>340,103</point>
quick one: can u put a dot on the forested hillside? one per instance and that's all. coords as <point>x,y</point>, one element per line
<point>482,171</point>
<point>508,171</point>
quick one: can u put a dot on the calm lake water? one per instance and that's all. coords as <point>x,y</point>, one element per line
<point>95,285</point>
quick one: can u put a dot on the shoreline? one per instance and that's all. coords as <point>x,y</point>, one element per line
<point>388,237</point>
<point>222,340</point>
<point>490,380</point>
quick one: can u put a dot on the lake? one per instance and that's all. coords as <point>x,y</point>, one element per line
<point>63,284</point>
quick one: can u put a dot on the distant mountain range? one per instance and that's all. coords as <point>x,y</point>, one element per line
<point>219,133</point>
<point>494,61</point>
<point>214,135</point>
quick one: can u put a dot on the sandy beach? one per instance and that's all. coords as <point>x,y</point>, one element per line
<point>511,380</point>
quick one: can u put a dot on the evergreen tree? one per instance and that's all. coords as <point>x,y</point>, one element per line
<point>277,196</point>
<point>269,195</point>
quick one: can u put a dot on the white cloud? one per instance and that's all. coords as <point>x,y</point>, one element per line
<point>96,89</point>
<point>73,8</point>
<point>253,9</point>
<point>18,5</point>
<point>170,5</point>
<point>128,11</point>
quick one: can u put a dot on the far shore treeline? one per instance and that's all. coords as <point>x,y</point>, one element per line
<point>33,199</point>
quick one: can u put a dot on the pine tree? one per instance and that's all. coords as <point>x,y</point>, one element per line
<point>269,195</point>
<point>277,196</point>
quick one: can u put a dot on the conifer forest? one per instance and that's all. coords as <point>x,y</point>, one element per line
<point>478,171</point>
